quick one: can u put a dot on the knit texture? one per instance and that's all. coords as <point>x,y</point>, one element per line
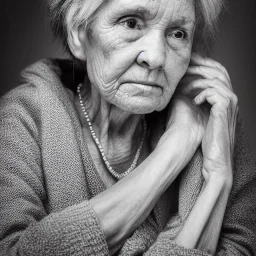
<point>47,178</point>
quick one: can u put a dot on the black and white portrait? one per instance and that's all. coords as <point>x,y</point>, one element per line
<point>127,127</point>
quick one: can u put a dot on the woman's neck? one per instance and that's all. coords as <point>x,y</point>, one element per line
<point>118,131</point>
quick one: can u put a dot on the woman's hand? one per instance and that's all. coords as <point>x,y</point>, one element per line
<point>187,116</point>
<point>208,83</point>
<point>188,119</point>
<point>214,88</point>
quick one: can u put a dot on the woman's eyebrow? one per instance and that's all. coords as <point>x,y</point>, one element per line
<point>183,21</point>
<point>141,10</point>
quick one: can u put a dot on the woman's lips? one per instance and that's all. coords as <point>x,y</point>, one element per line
<point>145,83</point>
<point>140,88</point>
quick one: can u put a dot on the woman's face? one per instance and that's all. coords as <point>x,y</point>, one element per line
<point>137,51</point>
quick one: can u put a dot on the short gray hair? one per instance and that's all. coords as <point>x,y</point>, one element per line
<point>65,14</point>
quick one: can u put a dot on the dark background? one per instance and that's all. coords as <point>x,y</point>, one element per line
<point>26,38</point>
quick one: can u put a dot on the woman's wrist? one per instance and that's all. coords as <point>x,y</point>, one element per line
<point>187,139</point>
<point>220,180</point>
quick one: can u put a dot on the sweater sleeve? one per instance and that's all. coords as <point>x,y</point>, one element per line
<point>26,228</point>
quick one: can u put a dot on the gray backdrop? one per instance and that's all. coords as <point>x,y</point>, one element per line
<point>26,37</point>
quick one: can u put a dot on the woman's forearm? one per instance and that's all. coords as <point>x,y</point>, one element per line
<point>124,206</point>
<point>203,224</point>
<point>210,235</point>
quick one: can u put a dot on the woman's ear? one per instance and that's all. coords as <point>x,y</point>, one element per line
<point>76,42</point>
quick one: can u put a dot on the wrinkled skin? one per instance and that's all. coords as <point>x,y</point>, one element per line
<point>137,51</point>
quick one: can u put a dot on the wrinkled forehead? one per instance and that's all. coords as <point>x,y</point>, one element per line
<point>182,10</point>
<point>155,9</point>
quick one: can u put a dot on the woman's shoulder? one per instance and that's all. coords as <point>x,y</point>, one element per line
<point>41,95</point>
<point>41,77</point>
<point>40,83</point>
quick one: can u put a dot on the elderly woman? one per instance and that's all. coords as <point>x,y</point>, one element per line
<point>131,148</point>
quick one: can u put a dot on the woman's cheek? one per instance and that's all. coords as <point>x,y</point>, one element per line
<point>108,64</point>
<point>119,62</point>
<point>179,65</point>
<point>184,58</point>
<point>97,78</point>
<point>185,62</point>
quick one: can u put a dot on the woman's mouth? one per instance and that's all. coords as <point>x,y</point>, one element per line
<point>143,88</point>
<point>144,83</point>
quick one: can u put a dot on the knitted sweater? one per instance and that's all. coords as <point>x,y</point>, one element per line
<point>47,178</point>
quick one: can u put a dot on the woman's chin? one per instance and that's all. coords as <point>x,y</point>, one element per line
<point>139,105</point>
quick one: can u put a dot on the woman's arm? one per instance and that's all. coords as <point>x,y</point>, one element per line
<point>238,229</point>
<point>202,227</point>
<point>211,232</point>
<point>236,234</point>
<point>206,217</point>
<point>123,207</point>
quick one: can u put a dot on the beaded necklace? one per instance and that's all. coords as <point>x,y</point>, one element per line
<point>100,148</point>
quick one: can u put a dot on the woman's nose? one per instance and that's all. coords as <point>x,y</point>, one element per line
<point>153,55</point>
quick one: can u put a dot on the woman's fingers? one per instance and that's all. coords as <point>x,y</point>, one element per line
<point>194,87</point>
<point>209,73</point>
<point>224,107</point>
<point>197,60</point>
<point>221,101</point>
<point>207,81</point>
<point>211,95</point>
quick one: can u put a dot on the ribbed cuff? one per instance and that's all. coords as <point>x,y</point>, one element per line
<point>72,231</point>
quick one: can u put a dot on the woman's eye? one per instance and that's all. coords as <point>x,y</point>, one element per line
<point>178,34</point>
<point>131,23</point>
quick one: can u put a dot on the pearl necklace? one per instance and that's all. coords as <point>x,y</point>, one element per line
<point>98,144</point>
